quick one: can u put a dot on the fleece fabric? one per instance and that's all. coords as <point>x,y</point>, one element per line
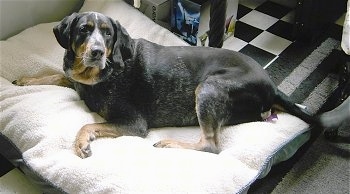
<point>42,122</point>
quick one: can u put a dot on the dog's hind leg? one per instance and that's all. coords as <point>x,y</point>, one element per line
<point>212,111</point>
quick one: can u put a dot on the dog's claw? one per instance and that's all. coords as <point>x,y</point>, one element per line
<point>25,81</point>
<point>167,144</point>
<point>83,151</point>
<point>87,151</point>
<point>160,144</point>
<point>92,137</point>
<point>18,83</point>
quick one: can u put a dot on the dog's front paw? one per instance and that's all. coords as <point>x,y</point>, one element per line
<point>83,149</point>
<point>82,142</point>
<point>25,81</point>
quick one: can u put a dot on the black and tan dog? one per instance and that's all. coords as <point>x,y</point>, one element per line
<point>136,84</point>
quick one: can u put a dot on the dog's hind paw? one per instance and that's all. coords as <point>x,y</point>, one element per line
<point>194,146</point>
<point>167,144</point>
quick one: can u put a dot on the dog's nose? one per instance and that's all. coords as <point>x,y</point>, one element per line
<point>97,53</point>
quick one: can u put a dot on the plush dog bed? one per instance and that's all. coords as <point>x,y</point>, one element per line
<point>41,122</point>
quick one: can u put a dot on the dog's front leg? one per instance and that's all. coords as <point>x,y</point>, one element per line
<point>56,79</point>
<point>89,132</point>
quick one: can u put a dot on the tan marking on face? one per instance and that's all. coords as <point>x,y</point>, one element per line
<point>90,23</point>
<point>104,25</point>
<point>79,52</point>
<point>85,75</point>
<point>108,52</point>
<point>80,72</point>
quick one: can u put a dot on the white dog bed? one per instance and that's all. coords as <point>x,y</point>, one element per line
<point>42,122</point>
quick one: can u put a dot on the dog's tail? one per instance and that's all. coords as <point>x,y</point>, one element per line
<point>283,103</point>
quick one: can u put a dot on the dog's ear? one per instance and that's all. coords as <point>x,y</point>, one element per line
<point>123,44</point>
<point>62,30</point>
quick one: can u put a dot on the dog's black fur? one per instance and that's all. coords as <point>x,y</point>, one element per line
<point>136,84</point>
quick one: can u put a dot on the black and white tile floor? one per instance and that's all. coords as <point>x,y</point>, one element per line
<point>263,30</point>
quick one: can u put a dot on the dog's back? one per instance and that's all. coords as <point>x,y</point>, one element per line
<point>171,75</point>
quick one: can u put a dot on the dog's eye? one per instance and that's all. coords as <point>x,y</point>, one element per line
<point>83,29</point>
<point>108,33</point>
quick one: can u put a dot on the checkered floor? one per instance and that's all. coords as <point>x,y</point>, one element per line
<point>263,30</point>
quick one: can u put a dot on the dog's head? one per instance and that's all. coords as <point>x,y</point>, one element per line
<point>96,46</point>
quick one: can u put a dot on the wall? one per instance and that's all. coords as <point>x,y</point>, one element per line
<point>17,15</point>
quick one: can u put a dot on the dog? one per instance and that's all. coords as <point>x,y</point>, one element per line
<point>136,84</point>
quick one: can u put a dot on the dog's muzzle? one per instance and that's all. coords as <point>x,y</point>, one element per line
<point>96,51</point>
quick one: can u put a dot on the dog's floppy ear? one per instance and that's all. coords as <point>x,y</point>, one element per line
<point>123,46</point>
<point>62,30</point>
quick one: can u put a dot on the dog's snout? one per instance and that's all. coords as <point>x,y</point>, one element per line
<point>97,52</point>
